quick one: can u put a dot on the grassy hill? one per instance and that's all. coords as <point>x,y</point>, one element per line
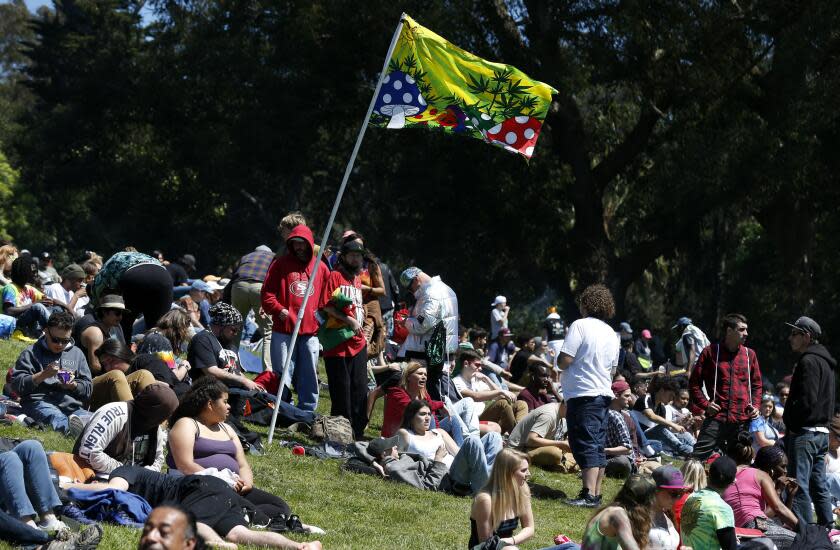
<point>357,511</point>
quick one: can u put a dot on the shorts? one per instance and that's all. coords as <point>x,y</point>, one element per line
<point>586,418</point>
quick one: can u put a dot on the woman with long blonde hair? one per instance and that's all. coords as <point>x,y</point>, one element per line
<point>504,503</point>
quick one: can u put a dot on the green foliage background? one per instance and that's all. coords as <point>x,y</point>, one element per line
<point>689,160</point>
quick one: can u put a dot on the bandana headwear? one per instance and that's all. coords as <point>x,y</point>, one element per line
<point>224,315</point>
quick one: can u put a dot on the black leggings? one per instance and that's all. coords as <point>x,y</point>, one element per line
<point>268,504</point>
<point>146,289</point>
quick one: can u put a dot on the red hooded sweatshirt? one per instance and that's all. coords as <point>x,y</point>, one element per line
<point>286,282</point>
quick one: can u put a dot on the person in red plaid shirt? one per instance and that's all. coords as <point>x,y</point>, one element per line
<point>726,384</point>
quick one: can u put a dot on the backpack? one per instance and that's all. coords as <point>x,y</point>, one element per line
<point>436,346</point>
<point>333,428</point>
<point>812,537</point>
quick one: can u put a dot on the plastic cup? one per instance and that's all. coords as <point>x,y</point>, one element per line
<point>298,450</point>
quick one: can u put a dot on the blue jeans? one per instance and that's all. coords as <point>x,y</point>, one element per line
<point>473,463</point>
<point>673,443</point>
<point>25,475</point>
<point>495,378</point>
<point>47,413</point>
<point>644,442</point>
<point>454,426</point>
<point>18,533</point>
<point>806,462</point>
<point>303,368</point>
<point>33,319</point>
<point>586,418</point>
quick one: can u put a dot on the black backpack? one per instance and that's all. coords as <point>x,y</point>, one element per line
<point>811,536</point>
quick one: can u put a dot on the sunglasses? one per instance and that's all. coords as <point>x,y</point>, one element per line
<point>115,311</point>
<point>59,341</point>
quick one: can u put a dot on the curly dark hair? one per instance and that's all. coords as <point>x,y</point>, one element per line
<point>597,301</point>
<point>24,269</point>
<point>741,450</point>
<point>768,458</point>
<point>662,382</point>
<point>205,389</point>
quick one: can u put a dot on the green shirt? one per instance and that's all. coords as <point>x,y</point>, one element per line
<point>593,539</point>
<point>704,513</point>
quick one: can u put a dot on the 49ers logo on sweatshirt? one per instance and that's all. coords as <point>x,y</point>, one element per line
<point>298,288</point>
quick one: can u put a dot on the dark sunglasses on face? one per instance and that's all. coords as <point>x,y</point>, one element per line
<point>60,341</point>
<point>117,312</point>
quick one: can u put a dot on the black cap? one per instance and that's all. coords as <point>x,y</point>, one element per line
<point>807,325</point>
<point>352,246</point>
<point>722,472</point>
<point>378,446</point>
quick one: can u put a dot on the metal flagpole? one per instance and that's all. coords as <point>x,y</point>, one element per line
<point>310,284</point>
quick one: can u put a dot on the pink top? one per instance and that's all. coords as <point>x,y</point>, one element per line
<point>745,497</point>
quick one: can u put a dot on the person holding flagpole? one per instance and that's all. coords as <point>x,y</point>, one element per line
<point>726,384</point>
<point>346,363</point>
<point>282,295</point>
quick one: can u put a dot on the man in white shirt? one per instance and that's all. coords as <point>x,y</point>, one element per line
<point>501,405</point>
<point>587,359</point>
<point>70,291</point>
<point>498,316</point>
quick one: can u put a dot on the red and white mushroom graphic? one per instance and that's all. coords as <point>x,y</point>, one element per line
<point>518,134</point>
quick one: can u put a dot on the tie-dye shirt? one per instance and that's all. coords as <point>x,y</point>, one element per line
<point>15,296</point>
<point>703,515</point>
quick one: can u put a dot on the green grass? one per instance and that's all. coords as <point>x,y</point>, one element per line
<point>357,511</point>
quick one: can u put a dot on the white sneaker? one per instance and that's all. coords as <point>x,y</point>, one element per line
<point>54,526</point>
<point>77,425</point>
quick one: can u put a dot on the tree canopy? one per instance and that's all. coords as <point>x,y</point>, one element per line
<point>688,161</point>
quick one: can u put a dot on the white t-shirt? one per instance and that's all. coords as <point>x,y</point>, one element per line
<point>595,348</point>
<point>472,385</point>
<point>57,292</point>
<point>496,322</point>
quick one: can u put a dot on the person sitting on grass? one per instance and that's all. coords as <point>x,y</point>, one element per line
<point>650,413</point>
<point>504,503</point>
<point>626,521</point>
<point>412,386</point>
<point>469,465</point>
<point>128,432</point>
<point>670,487</point>
<point>536,435</point>
<point>115,384</point>
<point>200,439</point>
<point>22,300</point>
<point>624,455</point>
<point>752,492</point>
<point>540,390</point>
<point>52,376</point>
<point>707,520</point>
<point>26,490</point>
<point>492,403</point>
<point>221,514</point>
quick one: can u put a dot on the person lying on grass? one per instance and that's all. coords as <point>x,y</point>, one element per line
<point>449,469</point>
<point>221,514</point>
<point>200,439</point>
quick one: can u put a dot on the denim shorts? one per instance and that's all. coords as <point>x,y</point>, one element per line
<point>586,418</point>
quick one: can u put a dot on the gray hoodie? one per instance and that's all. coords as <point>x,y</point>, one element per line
<point>33,359</point>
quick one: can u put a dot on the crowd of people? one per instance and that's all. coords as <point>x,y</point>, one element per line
<point>137,359</point>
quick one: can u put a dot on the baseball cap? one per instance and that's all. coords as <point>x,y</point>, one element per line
<point>200,285</point>
<point>646,334</point>
<point>408,275</point>
<point>188,260</point>
<point>681,322</point>
<point>619,386</point>
<point>378,446</point>
<point>214,286</point>
<point>668,477</point>
<point>624,326</point>
<point>352,246</point>
<point>807,325</point>
<point>505,332</point>
<point>499,300</point>
<point>73,271</point>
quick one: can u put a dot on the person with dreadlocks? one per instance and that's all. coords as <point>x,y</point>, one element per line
<point>22,300</point>
<point>346,363</point>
